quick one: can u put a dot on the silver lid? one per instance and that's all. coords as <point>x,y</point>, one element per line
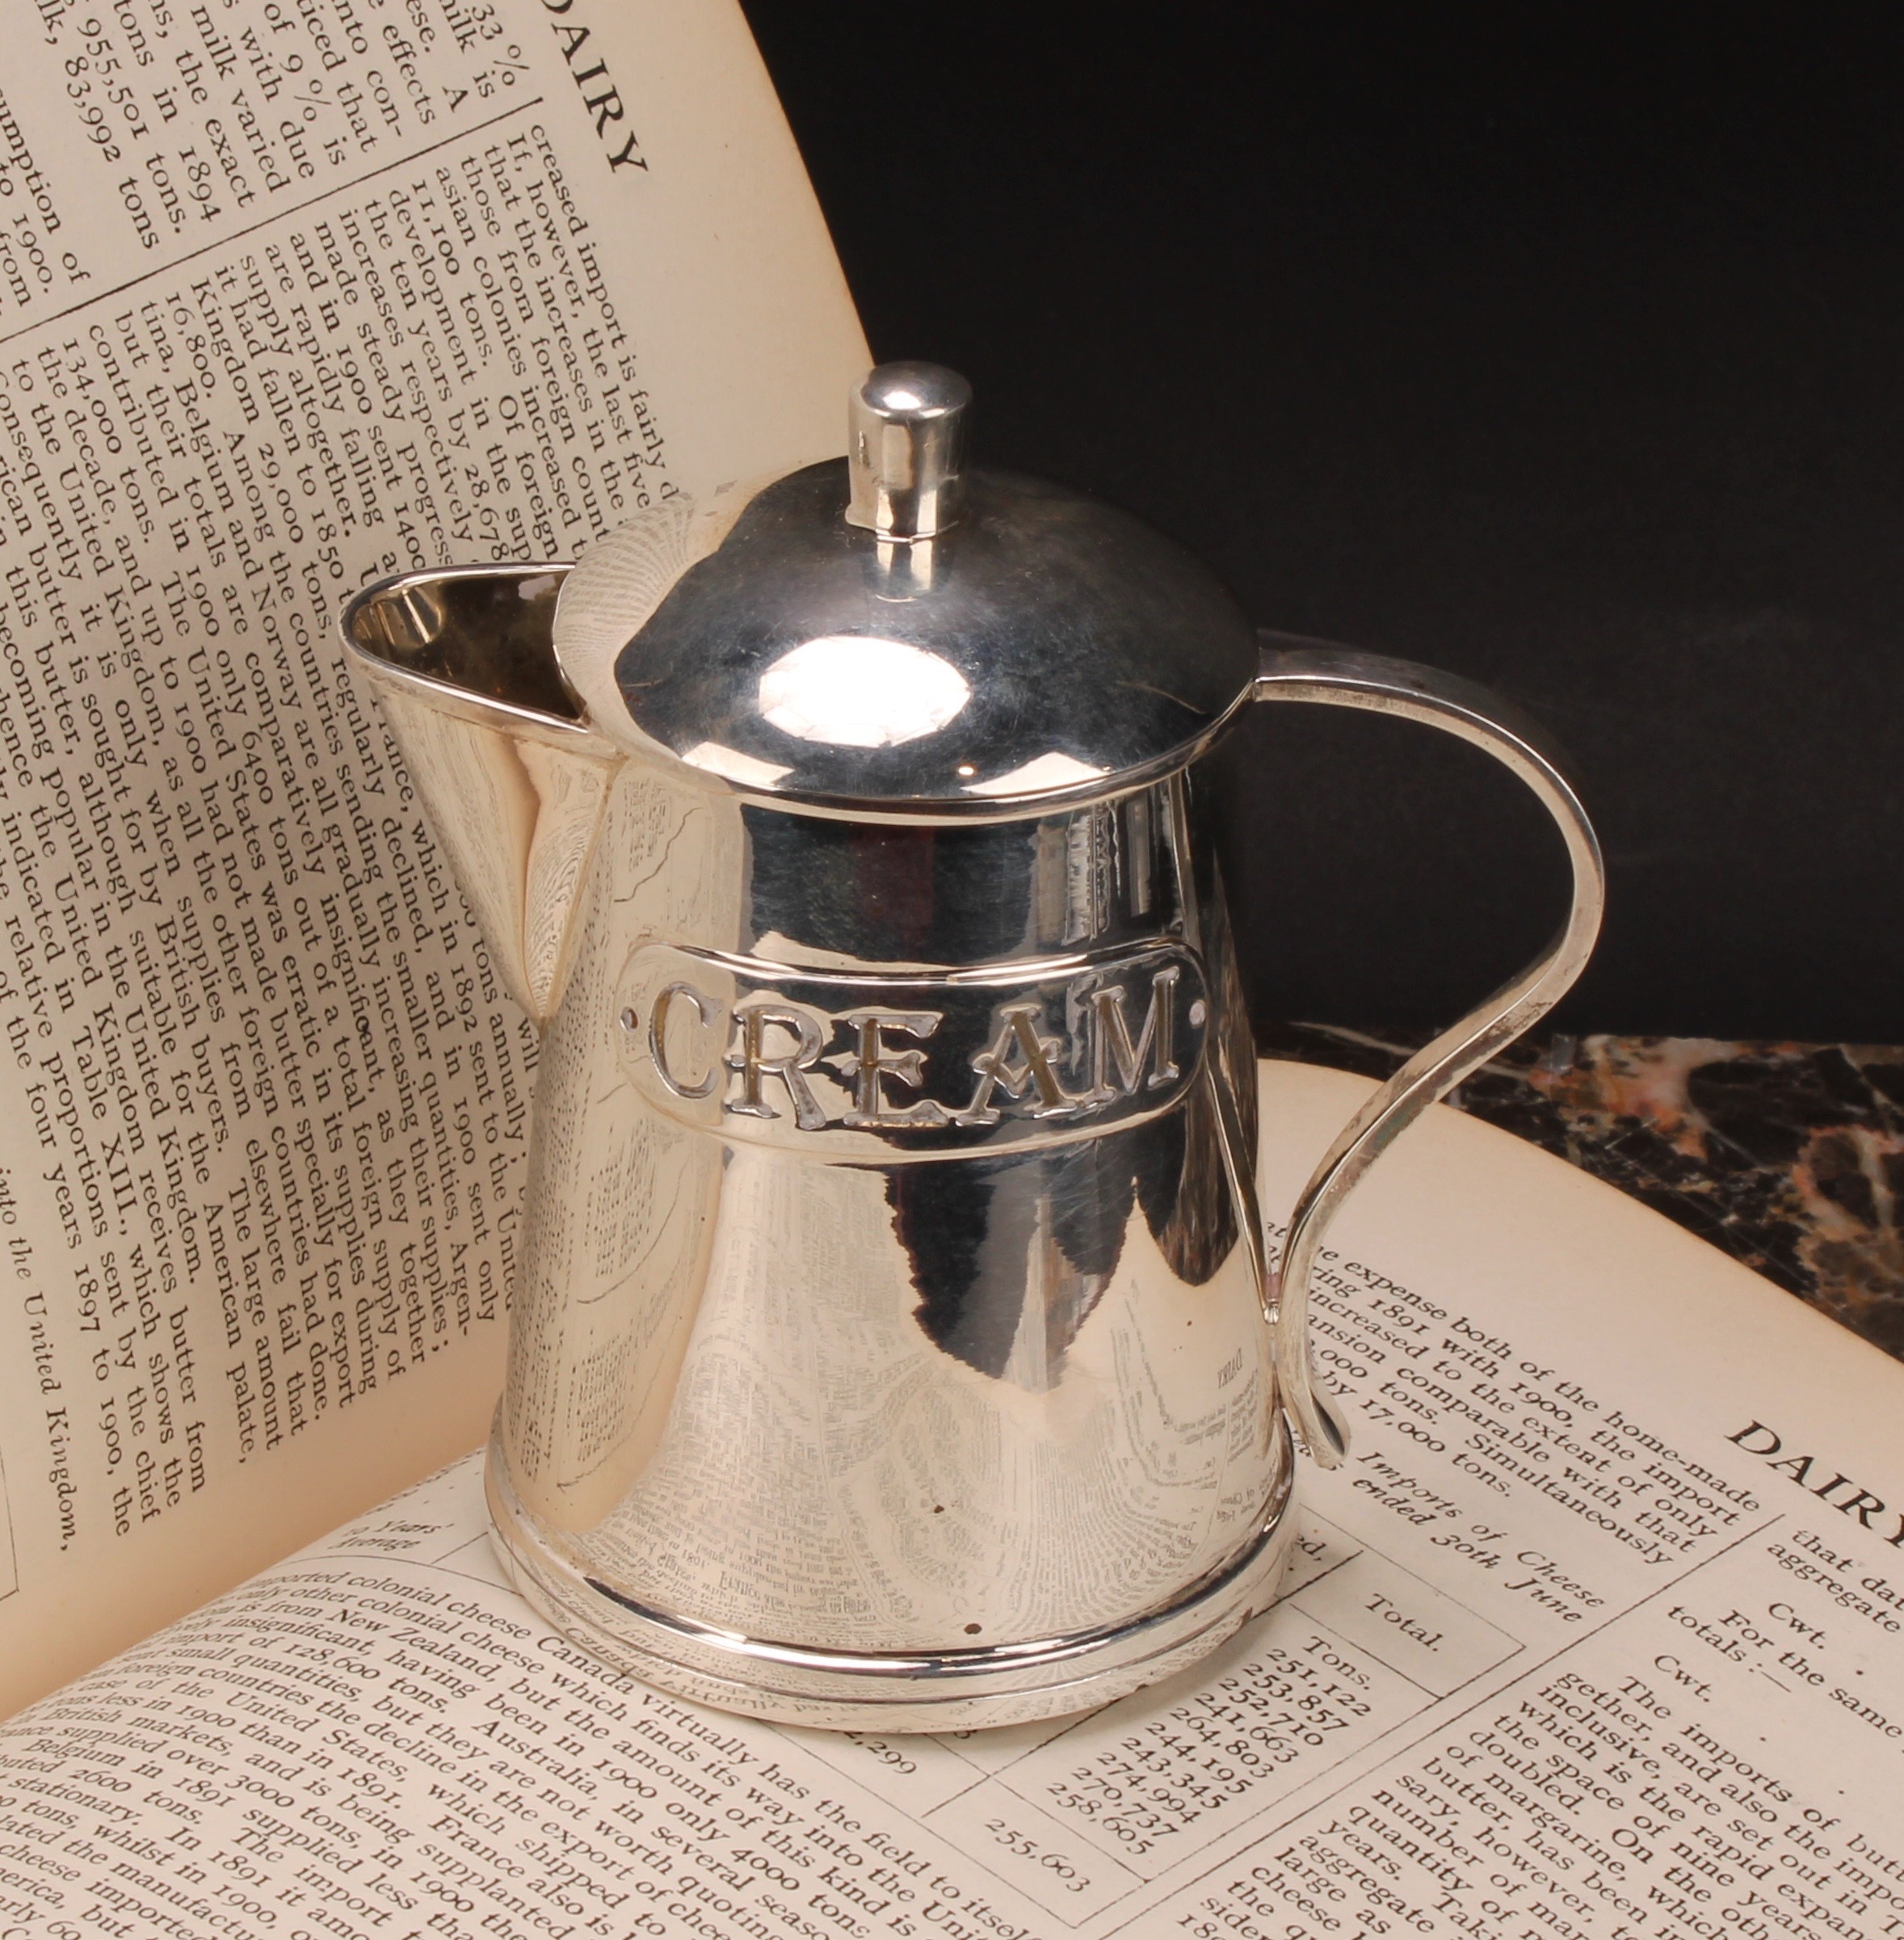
<point>1041,648</point>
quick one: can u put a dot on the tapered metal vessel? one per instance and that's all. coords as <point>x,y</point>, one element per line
<point>894,1344</point>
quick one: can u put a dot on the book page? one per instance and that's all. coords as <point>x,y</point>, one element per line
<point>1594,1637</point>
<point>295,293</point>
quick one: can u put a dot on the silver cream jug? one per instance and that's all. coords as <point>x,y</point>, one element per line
<point>896,1343</point>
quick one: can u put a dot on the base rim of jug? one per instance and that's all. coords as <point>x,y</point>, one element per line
<point>1014,1683</point>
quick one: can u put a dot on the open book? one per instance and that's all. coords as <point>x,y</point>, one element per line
<point>295,293</point>
<point>1596,1634</point>
<point>1594,1637</point>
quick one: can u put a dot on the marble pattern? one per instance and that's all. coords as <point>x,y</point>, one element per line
<point>1790,1157</point>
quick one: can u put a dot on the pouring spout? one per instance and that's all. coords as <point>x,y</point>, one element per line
<point>512,778</point>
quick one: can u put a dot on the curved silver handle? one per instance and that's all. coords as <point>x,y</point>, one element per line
<point>1294,669</point>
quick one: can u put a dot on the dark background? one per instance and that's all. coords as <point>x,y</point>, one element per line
<point>1566,352</point>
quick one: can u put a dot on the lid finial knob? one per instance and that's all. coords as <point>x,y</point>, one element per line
<point>905,449</point>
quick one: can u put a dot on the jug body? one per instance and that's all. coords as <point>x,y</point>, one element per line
<point>887,1351</point>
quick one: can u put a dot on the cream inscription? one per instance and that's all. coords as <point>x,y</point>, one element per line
<point>756,1050</point>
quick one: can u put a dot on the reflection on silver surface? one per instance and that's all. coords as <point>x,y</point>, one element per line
<point>854,690</point>
<point>864,1303</point>
<point>1295,669</point>
<point>515,781</point>
<point>890,1342</point>
<point>1087,647</point>
<point>906,454</point>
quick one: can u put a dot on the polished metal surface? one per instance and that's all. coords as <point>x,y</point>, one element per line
<point>515,779</point>
<point>889,1347</point>
<point>906,451</point>
<point>1295,669</point>
<point>1049,649</point>
<point>879,1294</point>
<point>896,1690</point>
